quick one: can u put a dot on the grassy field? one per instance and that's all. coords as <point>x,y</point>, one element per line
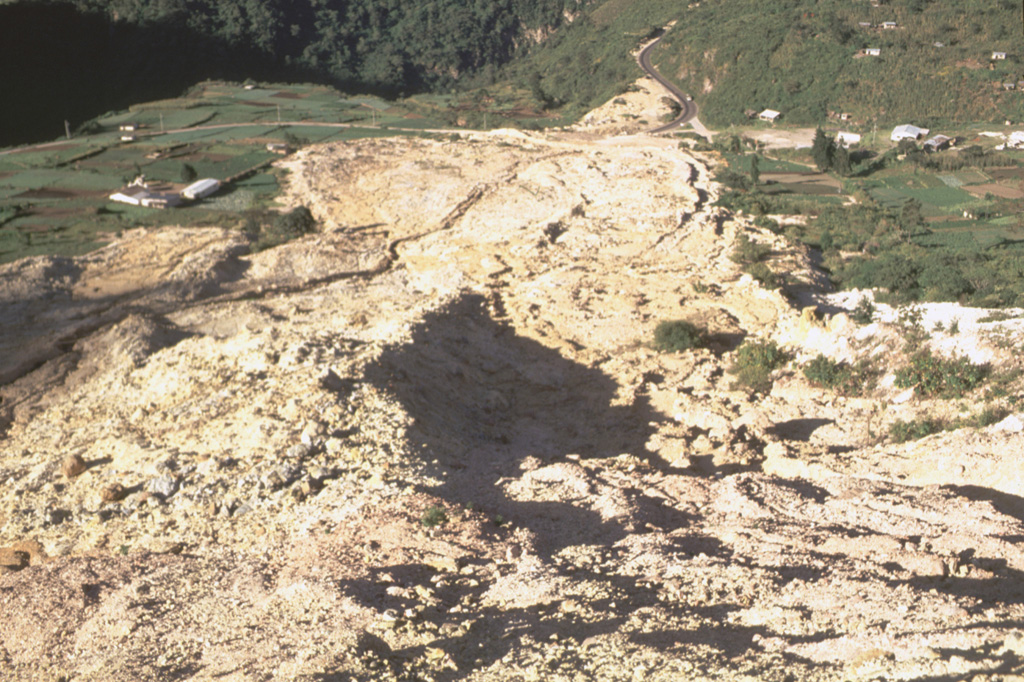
<point>54,198</point>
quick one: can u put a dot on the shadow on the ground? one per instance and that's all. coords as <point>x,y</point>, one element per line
<point>488,403</point>
<point>1011,505</point>
<point>489,406</point>
<point>799,429</point>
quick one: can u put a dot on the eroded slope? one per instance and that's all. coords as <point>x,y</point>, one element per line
<point>267,439</point>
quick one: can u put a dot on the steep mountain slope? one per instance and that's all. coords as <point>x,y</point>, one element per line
<point>76,59</point>
<point>802,57</point>
<point>432,442</point>
<point>807,59</point>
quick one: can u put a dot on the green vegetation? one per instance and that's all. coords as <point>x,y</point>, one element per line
<point>434,516</point>
<point>589,61</point>
<point>55,199</point>
<point>801,58</point>
<point>902,432</point>
<point>746,251</point>
<point>77,58</point>
<point>917,230</point>
<point>268,231</point>
<point>838,376</point>
<point>864,311</point>
<point>751,256</point>
<point>755,362</point>
<point>672,336</point>
<point>188,172</point>
<point>933,376</point>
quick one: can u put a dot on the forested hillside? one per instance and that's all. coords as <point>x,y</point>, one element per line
<point>802,57</point>
<point>805,58</point>
<point>75,59</point>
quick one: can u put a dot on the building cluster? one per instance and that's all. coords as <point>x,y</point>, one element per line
<point>142,193</point>
<point>907,131</point>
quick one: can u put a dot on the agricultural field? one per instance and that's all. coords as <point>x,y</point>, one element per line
<point>936,226</point>
<point>990,195</point>
<point>54,197</point>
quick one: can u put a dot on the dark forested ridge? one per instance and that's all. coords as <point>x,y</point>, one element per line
<point>75,59</point>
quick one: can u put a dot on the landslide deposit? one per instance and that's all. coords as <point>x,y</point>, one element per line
<point>433,441</point>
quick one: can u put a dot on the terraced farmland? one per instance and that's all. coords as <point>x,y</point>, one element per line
<point>54,197</point>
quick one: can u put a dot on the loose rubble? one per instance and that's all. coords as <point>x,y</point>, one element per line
<point>432,442</point>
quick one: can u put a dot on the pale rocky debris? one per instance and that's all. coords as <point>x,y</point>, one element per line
<point>468,338</point>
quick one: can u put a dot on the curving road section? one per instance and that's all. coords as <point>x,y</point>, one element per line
<point>689,107</point>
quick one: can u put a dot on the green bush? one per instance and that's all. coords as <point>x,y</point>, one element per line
<point>283,228</point>
<point>828,373</point>
<point>677,335</point>
<point>987,417</point>
<point>767,223</point>
<point>841,377</point>
<point>932,376</point>
<point>764,275</point>
<point>755,362</point>
<point>902,431</point>
<point>434,516</point>
<point>864,312</point>
<point>747,252</point>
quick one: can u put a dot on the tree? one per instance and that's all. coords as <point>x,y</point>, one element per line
<point>841,161</point>
<point>822,150</point>
<point>906,145</point>
<point>755,170</point>
<point>188,173</point>
<point>537,90</point>
<point>910,216</point>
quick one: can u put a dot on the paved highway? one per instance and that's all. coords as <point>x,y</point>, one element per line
<point>689,107</point>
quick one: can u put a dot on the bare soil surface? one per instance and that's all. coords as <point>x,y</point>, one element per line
<point>1002,191</point>
<point>792,138</point>
<point>433,442</point>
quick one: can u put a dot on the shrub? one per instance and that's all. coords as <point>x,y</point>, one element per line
<point>839,376</point>
<point>864,312</point>
<point>284,228</point>
<point>677,335</point>
<point>827,372</point>
<point>434,516</point>
<point>987,417</point>
<point>747,252</point>
<point>755,361</point>
<point>930,375</point>
<point>767,223</point>
<point>764,275</point>
<point>902,431</point>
